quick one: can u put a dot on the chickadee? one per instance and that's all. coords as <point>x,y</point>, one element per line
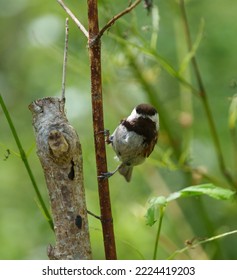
<point>134,139</point>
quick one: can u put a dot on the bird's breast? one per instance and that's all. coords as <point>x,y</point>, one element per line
<point>128,146</point>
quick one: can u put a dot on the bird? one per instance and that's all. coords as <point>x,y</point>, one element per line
<point>134,139</point>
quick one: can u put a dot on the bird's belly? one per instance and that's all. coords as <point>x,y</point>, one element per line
<point>128,147</point>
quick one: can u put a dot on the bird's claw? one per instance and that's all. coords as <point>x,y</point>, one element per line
<point>105,175</point>
<point>108,137</point>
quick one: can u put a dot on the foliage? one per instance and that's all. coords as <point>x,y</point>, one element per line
<point>145,59</point>
<point>158,204</point>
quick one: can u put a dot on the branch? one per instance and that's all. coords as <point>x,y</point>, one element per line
<point>60,154</point>
<point>205,102</point>
<point>115,18</point>
<point>74,18</point>
<point>65,59</point>
<point>98,125</point>
<point>198,243</point>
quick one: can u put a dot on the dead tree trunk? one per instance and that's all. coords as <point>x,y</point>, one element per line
<point>60,154</point>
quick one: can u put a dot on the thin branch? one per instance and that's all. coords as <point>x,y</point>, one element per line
<point>115,18</point>
<point>98,125</point>
<point>198,243</point>
<point>204,98</point>
<point>93,215</point>
<point>65,58</point>
<point>74,18</point>
<point>26,163</point>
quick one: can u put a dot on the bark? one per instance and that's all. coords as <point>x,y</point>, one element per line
<point>60,154</point>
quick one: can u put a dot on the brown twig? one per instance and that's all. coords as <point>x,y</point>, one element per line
<point>115,18</point>
<point>98,124</point>
<point>74,18</point>
<point>65,58</point>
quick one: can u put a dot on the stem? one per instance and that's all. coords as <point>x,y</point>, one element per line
<point>204,99</point>
<point>98,124</point>
<point>26,163</point>
<point>65,58</point>
<point>198,243</point>
<point>158,232</point>
<point>115,18</point>
<point>73,17</point>
<point>234,140</point>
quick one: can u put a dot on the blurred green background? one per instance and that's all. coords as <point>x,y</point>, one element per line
<point>31,55</point>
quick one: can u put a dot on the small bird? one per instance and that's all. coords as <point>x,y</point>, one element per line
<point>134,139</point>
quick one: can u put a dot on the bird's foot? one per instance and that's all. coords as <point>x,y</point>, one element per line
<point>108,137</point>
<point>106,175</point>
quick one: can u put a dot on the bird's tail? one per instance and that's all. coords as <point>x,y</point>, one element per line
<point>126,171</point>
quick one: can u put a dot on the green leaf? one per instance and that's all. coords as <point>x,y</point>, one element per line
<point>155,26</point>
<point>207,189</point>
<point>193,51</point>
<point>152,212</point>
<point>233,112</point>
<point>160,202</point>
<point>151,216</point>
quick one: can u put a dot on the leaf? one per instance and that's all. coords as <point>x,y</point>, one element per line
<point>155,26</point>
<point>193,51</point>
<point>233,112</point>
<point>157,203</point>
<point>207,189</point>
<point>151,216</point>
<point>152,212</point>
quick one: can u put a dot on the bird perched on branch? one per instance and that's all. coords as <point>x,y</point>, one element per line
<point>134,139</point>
